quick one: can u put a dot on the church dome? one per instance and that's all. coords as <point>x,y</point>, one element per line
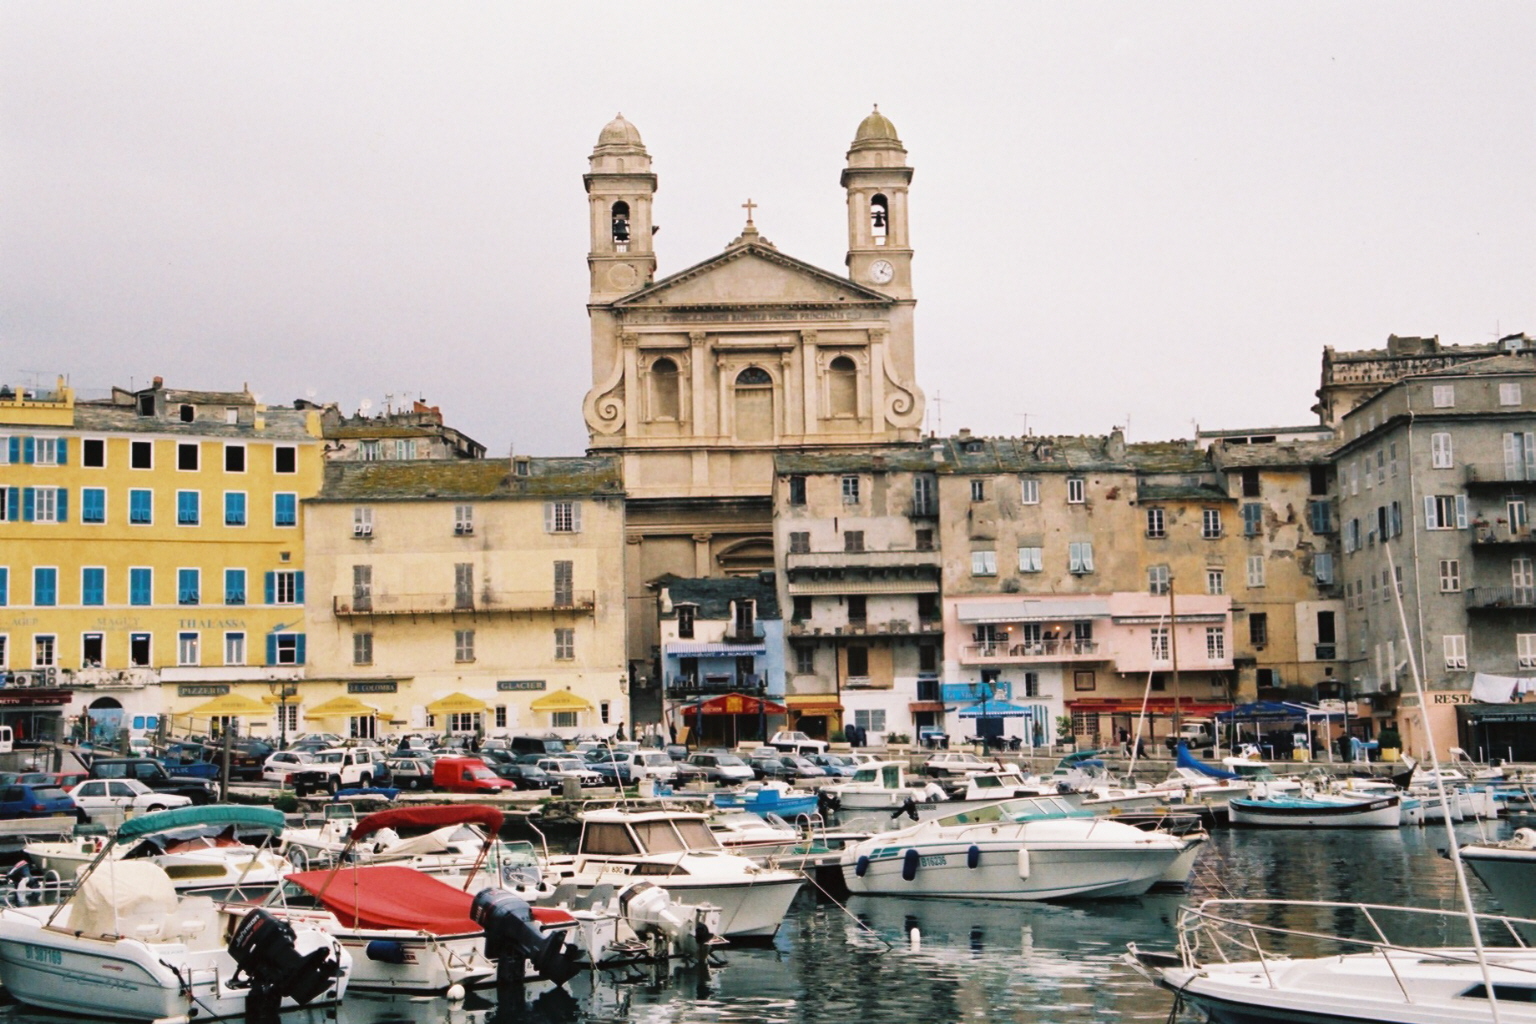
<point>876,128</point>
<point>620,132</point>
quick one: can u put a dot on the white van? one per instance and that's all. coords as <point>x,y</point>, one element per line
<point>7,740</point>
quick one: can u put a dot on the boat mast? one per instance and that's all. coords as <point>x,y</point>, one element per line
<point>1173,649</point>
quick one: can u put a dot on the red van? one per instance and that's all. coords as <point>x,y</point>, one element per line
<point>467,775</point>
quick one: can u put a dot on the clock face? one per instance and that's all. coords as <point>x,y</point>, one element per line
<point>881,271</point>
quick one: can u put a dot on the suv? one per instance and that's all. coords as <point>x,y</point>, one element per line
<point>341,768</point>
<point>544,746</point>
<point>153,774</point>
<point>797,743</point>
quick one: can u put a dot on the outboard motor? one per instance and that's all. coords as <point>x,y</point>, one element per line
<point>909,809</point>
<point>512,936</point>
<point>828,804</point>
<point>266,951</point>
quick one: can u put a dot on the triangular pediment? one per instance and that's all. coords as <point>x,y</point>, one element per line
<point>752,275</point>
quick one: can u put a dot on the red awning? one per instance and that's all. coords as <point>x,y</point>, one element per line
<point>430,818</point>
<point>735,704</point>
<point>936,706</point>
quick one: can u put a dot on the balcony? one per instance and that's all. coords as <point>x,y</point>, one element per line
<point>690,687</point>
<point>912,559</point>
<point>1501,537</point>
<point>923,508</point>
<point>1493,474</point>
<point>1500,598</point>
<point>1326,652</point>
<point>448,602</point>
<point>1006,652</point>
<point>869,627</point>
<point>745,633</point>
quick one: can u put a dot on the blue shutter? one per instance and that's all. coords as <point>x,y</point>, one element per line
<point>5,586</point>
<point>29,450</point>
<point>271,643</point>
<point>15,449</point>
<point>298,655</point>
<point>13,502</point>
<point>63,504</point>
<point>271,599</point>
<point>298,590</point>
<point>27,504</point>
<point>61,451</point>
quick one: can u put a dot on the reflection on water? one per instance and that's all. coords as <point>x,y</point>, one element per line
<point>975,961</point>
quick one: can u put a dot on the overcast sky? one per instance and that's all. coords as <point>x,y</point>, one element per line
<point>1154,212</point>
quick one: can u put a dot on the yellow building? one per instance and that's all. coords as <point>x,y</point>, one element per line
<point>463,596</point>
<point>151,552</point>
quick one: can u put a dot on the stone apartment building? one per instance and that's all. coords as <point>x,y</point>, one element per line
<point>1349,378</point>
<point>1436,477</point>
<point>400,434</point>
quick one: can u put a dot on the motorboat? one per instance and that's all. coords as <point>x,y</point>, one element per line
<point>772,797</point>
<point>1508,869</point>
<point>1039,848</point>
<point>1310,808</point>
<point>126,945</point>
<point>448,849</point>
<point>753,835</point>
<point>1411,805</point>
<point>1223,968</point>
<point>882,786</point>
<point>677,850</point>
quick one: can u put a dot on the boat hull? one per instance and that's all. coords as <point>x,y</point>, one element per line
<point>1509,874</point>
<point>1382,813</point>
<point>749,909</point>
<point>1042,873</point>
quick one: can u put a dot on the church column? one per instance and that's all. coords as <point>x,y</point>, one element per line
<point>725,425</point>
<point>899,215</point>
<point>701,559</point>
<point>877,422</point>
<point>808,360</point>
<point>785,416</point>
<point>631,342</point>
<point>696,340</point>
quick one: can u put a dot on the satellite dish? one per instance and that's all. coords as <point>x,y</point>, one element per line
<point>365,404</point>
<point>309,392</point>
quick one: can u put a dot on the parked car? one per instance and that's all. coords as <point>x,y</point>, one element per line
<point>103,796</point>
<point>154,775</point>
<point>315,742</point>
<point>343,768</point>
<point>36,779</point>
<point>724,769</point>
<point>571,768</point>
<point>834,764</point>
<point>281,764</point>
<point>18,801</point>
<point>190,760</point>
<point>467,775</point>
<point>797,743</point>
<point>544,746</point>
<point>648,764</point>
<point>611,765</point>
<point>677,752</point>
<point>247,758</point>
<point>524,776</point>
<point>950,764</point>
<point>789,768</point>
<point>69,780</point>
<point>410,772</point>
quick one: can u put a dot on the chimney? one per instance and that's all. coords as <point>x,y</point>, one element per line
<point>159,383</point>
<point>965,433</point>
<point>1116,446</point>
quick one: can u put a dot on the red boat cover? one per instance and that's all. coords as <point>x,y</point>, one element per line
<point>429,817</point>
<point>398,897</point>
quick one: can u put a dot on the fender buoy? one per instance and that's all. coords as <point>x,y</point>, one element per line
<point>973,856</point>
<point>909,865</point>
<point>862,866</point>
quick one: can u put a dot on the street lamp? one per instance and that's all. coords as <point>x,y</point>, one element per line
<point>283,692</point>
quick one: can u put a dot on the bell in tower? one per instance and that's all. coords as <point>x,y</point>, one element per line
<point>620,186</point>
<point>876,179</point>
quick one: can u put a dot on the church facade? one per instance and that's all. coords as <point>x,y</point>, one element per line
<point>701,377</point>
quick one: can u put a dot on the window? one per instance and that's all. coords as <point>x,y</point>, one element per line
<point>46,451</point>
<point>500,713</point>
<point>362,588</point>
<point>405,448</point>
<point>93,453</point>
<point>1450,575</point>
<point>1077,490</point>
<point>1320,516</point>
<point>1159,636</point>
<point>850,490</point>
<point>285,459</point>
<point>44,650</point>
<point>234,508</point>
<point>1522,577</point>
<point>1509,394</point>
<point>1084,680</point>
<point>1155,523</point>
<point>4,650</point>
<point>285,587</point>
<point>858,661</point>
<point>463,645</point>
<point>565,644</point>
<point>685,617</point>
<point>1080,557</point>
<point>797,490</point>
<point>799,542</point>
<point>1157,579</point>
<point>564,587</point>
<point>362,648</point>
<point>188,586</point>
<point>1250,478</point>
<point>186,457</point>
<point>463,520</point>
<point>983,563</point>
<point>1445,511</point>
<point>1210,523</point>
<point>872,719</point>
<point>141,507</point>
<point>368,451</point>
<point>562,517</point>
<point>45,504</point>
<point>1440,451</point>
<point>285,509</point>
<point>802,608</point>
<point>1525,650</point>
<point>93,586</point>
<point>1216,643</point>
<point>924,539</point>
<point>285,648</point>
<point>139,650</point>
<point>1381,465</point>
<point>1319,475</point>
<point>234,586</point>
<point>362,521</point>
<point>1031,559</point>
<point>234,458</point>
<point>1215,581</point>
<point>93,504</point>
<point>1520,456</point>
<point>853,540</point>
<point>1029,490</point>
<point>978,490</point>
<point>858,609</point>
<point>45,587</point>
<point>1255,570</point>
<point>1443,396</point>
<point>1455,651</point>
<point>1258,628</point>
<point>141,454</point>
<point>188,508</point>
<point>1322,568</point>
<point>187,413</point>
<point>463,585</point>
<point>186,648</point>
<point>140,586</point>
<point>805,661</point>
<point>1253,519</point>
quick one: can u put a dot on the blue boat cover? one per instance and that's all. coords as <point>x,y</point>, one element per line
<point>1184,759</point>
<point>196,817</point>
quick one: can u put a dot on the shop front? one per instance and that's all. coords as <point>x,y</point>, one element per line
<point>818,715</point>
<point>730,720</point>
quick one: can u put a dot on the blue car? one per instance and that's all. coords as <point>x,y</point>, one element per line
<point>18,801</point>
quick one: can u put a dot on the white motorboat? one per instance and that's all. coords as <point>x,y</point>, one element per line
<point>125,945</point>
<point>1379,982</point>
<point>450,848</point>
<point>1031,849</point>
<point>1508,869</point>
<point>1312,809</point>
<point>884,785</point>
<point>752,835</point>
<point>676,849</point>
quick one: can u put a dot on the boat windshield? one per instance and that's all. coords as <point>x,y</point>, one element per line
<point>658,837</point>
<point>1028,809</point>
<point>696,834</point>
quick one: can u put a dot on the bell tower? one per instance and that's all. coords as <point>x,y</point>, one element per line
<point>876,179</point>
<point>619,190</point>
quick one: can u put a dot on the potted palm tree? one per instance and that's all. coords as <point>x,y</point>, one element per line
<point>1064,735</point>
<point>1391,743</point>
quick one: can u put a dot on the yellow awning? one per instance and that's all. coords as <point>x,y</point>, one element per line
<point>230,704</point>
<point>818,701</point>
<point>456,703</point>
<point>561,700</point>
<point>337,707</point>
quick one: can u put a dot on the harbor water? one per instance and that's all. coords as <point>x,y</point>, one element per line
<point>894,961</point>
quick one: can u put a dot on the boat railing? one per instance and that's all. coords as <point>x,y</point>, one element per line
<point>1217,928</point>
<point>37,892</point>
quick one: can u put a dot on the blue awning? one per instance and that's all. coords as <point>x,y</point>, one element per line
<point>996,709</point>
<point>702,650</point>
<point>1275,711</point>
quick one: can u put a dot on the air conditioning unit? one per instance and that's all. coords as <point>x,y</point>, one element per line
<point>362,530</point>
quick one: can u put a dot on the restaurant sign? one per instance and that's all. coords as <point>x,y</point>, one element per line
<point>506,685</point>
<point>202,689</point>
<point>374,686</point>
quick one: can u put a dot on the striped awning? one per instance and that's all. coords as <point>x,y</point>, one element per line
<point>1031,610</point>
<point>704,650</point>
<point>863,587</point>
